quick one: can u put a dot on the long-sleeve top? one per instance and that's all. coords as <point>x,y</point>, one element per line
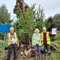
<point>45,37</point>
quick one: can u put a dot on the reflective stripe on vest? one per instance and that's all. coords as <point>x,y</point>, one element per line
<point>48,38</point>
<point>10,38</point>
<point>34,40</point>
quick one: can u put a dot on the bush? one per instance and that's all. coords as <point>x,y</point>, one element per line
<point>57,37</point>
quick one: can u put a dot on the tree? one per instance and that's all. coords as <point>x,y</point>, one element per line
<point>4,15</point>
<point>19,7</point>
<point>40,18</point>
<point>49,23</point>
<point>26,24</point>
<point>56,19</point>
<point>28,19</point>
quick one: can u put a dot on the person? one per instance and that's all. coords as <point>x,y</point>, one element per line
<point>12,41</point>
<point>46,40</point>
<point>37,42</point>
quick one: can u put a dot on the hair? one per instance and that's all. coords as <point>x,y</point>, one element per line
<point>11,28</point>
<point>44,28</point>
<point>36,29</point>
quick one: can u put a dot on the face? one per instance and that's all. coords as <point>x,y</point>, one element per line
<point>36,31</point>
<point>44,29</point>
<point>12,31</point>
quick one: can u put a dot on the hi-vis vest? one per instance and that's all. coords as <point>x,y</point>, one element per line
<point>9,38</point>
<point>34,40</point>
<point>47,36</point>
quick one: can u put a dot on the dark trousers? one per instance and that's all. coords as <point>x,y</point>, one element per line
<point>47,49</point>
<point>12,48</point>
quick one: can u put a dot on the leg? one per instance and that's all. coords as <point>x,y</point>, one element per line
<point>49,50</point>
<point>15,51</point>
<point>40,56</point>
<point>9,53</point>
<point>45,52</point>
<point>39,50</point>
<point>45,48</point>
<point>35,49</point>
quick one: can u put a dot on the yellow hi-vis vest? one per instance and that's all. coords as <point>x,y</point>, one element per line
<point>47,36</point>
<point>9,35</point>
<point>34,40</point>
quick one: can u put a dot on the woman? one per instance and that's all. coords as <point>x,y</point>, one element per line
<point>37,42</point>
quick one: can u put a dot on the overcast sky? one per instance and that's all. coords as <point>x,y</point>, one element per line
<point>51,7</point>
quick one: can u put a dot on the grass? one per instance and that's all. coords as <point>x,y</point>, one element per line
<point>1,49</point>
<point>55,54</point>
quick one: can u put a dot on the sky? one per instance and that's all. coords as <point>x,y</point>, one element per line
<point>51,7</point>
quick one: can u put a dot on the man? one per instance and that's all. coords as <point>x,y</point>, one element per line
<point>37,42</point>
<point>12,41</point>
<point>46,40</point>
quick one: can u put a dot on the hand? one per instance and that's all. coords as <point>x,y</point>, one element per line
<point>18,44</point>
<point>38,40</point>
<point>9,41</point>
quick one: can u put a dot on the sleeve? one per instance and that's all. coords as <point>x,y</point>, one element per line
<point>32,39</point>
<point>51,34</point>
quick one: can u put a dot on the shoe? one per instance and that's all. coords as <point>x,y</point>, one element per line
<point>36,53</point>
<point>39,53</point>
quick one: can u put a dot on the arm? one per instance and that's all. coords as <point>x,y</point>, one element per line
<point>7,39</point>
<point>52,35</point>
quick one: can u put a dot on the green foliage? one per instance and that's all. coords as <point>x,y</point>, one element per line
<point>4,15</point>
<point>29,20</point>
<point>1,47</point>
<point>49,23</point>
<point>40,18</point>
<point>54,54</point>
<point>57,37</point>
<point>17,11</point>
<point>1,35</point>
<point>25,23</point>
<point>57,20</point>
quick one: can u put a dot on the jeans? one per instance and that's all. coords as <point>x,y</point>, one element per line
<point>37,49</point>
<point>12,47</point>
